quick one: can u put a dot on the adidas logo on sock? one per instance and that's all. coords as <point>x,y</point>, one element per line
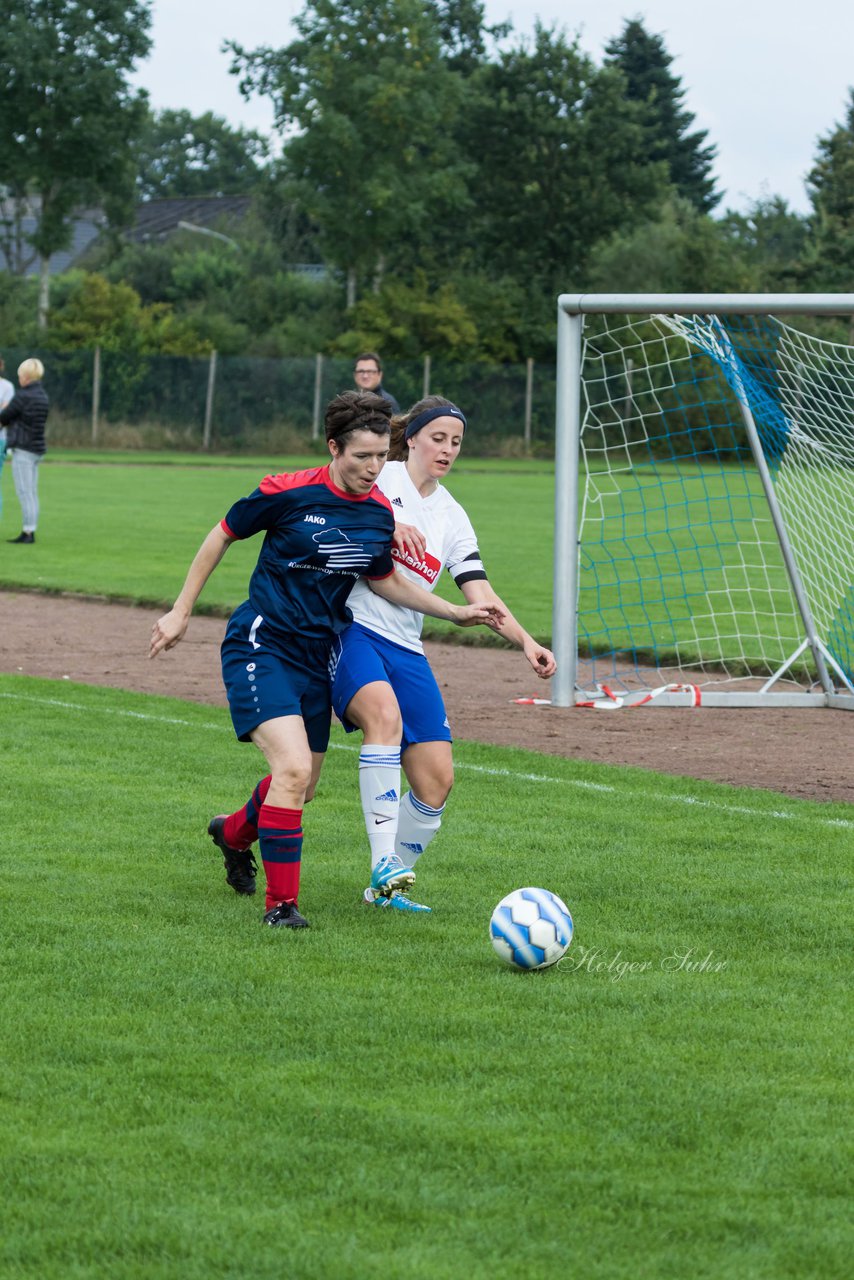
<point>389,795</point>
<point>413,848</point>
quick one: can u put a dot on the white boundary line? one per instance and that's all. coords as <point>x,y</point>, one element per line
<point>582,784</point>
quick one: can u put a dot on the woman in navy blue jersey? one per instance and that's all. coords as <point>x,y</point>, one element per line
<point>324,528</point>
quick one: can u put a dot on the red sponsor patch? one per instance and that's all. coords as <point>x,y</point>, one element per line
<point>428,568</point>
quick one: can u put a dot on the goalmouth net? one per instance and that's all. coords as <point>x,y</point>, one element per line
<point>704,531</point>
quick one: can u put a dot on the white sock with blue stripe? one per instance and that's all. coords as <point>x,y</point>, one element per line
<point>417,826</point>
<point>379,787</point>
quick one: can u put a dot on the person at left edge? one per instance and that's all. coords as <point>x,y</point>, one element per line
<point>26,416</point>
<point>324,528</point>
<point>6,393</point>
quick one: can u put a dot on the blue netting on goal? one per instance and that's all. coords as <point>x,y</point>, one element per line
<point>680,568</point>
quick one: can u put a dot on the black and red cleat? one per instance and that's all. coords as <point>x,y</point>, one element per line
<point>285,916</point>
<point>240,866</point>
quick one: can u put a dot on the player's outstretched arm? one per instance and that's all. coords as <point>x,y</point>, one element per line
<point>541,659</point>
<point>399,590</point>
<point>169,629</point>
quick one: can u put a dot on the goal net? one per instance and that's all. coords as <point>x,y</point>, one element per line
<point>705,501</point>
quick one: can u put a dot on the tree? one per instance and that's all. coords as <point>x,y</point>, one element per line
<point>773,239</point>
<point>679,251</point>
<point>19,255</point>
<point>18,298</point>
<point>560,162</point>
<point>830,185</point>
<point>179,154</point>
<point>463,33</point>
<point>93,312</point>
<point>374,105</point>
<point>405,320</point>
<point>242,302</point>
<point>67,112</point>
<point>645,63</point>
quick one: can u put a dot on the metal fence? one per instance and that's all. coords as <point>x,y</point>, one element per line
<point>234,403</point>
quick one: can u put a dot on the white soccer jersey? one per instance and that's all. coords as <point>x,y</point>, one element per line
<point>451,545</point>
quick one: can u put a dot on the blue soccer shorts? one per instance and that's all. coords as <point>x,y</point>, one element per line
<point>360,657</point>
<point>268,676</point>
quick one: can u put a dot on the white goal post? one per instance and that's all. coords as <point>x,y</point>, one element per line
<point>704,500</point>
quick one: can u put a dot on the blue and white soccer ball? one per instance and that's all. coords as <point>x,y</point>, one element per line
<point>531,928</point>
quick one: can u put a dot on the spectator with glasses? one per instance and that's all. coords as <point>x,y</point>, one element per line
<point>368,376</point>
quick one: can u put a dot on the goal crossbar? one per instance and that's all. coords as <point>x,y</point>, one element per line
<point>744,304</point>
<point>626,433</point>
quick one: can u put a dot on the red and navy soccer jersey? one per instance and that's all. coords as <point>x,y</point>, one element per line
<point>319,541</point>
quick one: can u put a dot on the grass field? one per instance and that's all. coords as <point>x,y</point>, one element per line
<point>187,1095</point>
<point>129,528</point>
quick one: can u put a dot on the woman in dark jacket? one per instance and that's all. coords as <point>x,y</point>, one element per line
<point>25,417</point>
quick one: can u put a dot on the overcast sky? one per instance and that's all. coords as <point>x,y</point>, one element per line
<point>766,78</point>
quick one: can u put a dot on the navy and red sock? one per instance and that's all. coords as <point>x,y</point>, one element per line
<point>240,829</point>
<point>280,837</point>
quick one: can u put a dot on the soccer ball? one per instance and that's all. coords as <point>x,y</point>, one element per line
<point>531,928</point>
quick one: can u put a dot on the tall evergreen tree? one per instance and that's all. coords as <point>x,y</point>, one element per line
<point>645,64</point>
<point>830,185</point>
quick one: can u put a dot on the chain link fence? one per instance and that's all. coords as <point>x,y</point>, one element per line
<point>233,404</point>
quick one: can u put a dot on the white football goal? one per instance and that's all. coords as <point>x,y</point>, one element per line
<point>704,503</point>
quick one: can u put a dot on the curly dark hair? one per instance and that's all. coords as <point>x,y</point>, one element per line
<point>356,411</point>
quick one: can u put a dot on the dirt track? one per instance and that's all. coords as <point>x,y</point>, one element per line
<point>809,754</point>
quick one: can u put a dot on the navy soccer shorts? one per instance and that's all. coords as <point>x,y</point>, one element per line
<point>266,677</point>
<point>360,657</point>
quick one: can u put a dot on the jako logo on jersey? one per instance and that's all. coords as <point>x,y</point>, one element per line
<point>427,568</point>
<point>340,552</point>
<point>315,520</point>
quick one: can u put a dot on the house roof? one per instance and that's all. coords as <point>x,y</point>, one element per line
<point>158,218</point>
<point>153,220</point>
<point>86,227</point>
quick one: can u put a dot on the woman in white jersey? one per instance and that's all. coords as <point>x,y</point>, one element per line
<point>381,680</point>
